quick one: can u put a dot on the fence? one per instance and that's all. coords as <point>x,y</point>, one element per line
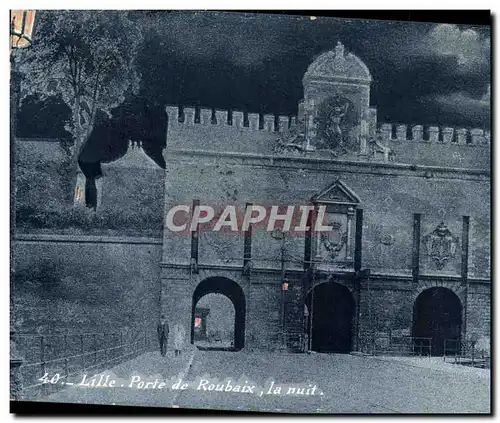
<point>49,358</point>
<point>296,341</point>
<point>402,345</point>
<point>465,353</point>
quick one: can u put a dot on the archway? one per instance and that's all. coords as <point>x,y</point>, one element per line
<point>437,314</point>
<point>332,313</point>
<point>230,289</point>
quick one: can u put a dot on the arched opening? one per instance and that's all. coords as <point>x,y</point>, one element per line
<point>200,312</point>
<point>437,314</point>
<point>331,308</point>
<point>214,322</point>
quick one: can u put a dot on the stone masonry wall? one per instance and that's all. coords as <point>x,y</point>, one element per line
<point>389,200</point>
<point>86,284</point>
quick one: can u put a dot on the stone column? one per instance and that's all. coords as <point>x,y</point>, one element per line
<point>363,151</point>
<point>364,132</point>
<point>309,113</point>
<point>350,216</point>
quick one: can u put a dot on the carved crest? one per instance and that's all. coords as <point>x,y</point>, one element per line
<point>440,245</point>
<point>335,240</point>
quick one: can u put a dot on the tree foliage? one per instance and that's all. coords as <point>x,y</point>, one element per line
<point>85,57</point>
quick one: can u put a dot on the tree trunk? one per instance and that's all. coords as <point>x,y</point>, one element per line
<point>73,167</point>
<point>80,136</point>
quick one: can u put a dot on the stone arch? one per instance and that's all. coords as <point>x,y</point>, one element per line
<point>332,316</point>
<point>437,315</point>
<point>233,291</point>
<point>456,287</point>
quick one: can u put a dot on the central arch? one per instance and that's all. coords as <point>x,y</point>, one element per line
<point>331,314</point>
<point>233,291</point>
<point>437,314</point>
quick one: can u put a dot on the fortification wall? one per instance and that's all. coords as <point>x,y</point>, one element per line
<point>220,130</point>
<point>240,133</point>
<point>438,146</point>
<point>40,172</point>
<point>389,198</point>
<point>86,283</point>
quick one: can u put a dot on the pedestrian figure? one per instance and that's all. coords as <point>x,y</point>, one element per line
<point>178,339</point>
<point>163,335</point>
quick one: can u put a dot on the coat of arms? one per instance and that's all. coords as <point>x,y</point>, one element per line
<point>335,240</point>
<point>440,245</point>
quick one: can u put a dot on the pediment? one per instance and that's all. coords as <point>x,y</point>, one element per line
<point>337,193</point>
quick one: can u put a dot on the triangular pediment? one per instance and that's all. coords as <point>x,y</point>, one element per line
<point>337,193</point>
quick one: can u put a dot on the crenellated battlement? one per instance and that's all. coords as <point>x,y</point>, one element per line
<point>271,123</point>
<point>240,132</point>
<point>433,134</point>
<point>245,121</point>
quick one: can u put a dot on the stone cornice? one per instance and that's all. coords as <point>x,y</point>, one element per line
<point>92,239</point>
<point>297,272</point>
<point>336,165</point>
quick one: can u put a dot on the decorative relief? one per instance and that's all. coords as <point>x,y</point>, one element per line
<point>292,141</point>
<point>387,239</point>
<point>378,150</point>
<point>336,123</point>
<point>335,240</point>
<point>440,245</point>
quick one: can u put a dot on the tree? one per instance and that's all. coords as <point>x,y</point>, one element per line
<point>88,58</point>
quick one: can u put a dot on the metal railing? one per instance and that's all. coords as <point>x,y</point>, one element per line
<point>465,353</point>
<point>402,345</point>
<point>296,341</point>
<point>49,358</point>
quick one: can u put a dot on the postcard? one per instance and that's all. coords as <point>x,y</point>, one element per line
<point>250,212</point>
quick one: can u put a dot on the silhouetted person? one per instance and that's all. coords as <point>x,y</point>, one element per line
<point>178,339</point>
<point>163,335</point>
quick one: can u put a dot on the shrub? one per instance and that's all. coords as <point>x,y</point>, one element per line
<point>80,219</point>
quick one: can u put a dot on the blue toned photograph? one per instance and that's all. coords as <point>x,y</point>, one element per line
<point>266,212</point>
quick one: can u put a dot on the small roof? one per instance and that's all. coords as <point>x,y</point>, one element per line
<point>135,157</point>
<point>337,65</point>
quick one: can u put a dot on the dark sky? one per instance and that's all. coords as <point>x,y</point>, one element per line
<point>425,73</point>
